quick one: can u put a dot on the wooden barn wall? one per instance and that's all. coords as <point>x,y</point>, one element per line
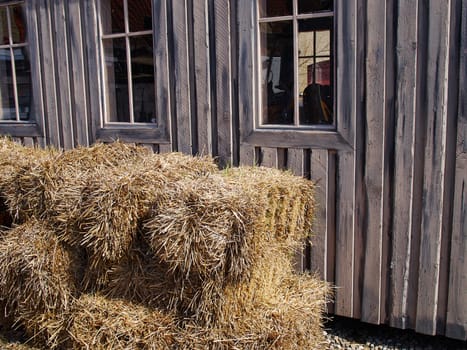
<point>390,229</point>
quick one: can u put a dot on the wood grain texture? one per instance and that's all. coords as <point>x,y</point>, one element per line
<point>52,128</point>
<point>181,67</point>
<point>456,318</point>
<point>318,174</point>
<point>62,72</point>
<point>201,77</point>
<point>432,284</point>
<point>404,232</point>
<point>77,74</point>
<point>378,150</point>
<point>297,164</point>
<point>223,79</point>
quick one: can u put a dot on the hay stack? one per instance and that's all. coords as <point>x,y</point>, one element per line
<point>100,323</point>
<point>38,273</point>
<point>19,180</point>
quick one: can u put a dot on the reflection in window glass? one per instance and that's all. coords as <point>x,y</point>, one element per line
<point>15,72</point>
<point>139,15</point>
<point>142,67</point>
<point>23,82</point>
<point>315,71</point>
<point>7,97</point>
<point>18,24</point>
<point>277,61</point>
<point>4,36</point>
<point>273,8</point>
<point>297,67</point>
<point>114,19</point>
<point>309,6</point>
<point>116,79</point>
<point>129,62</point>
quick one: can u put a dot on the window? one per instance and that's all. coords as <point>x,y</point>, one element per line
<point>296,63</point>
<point>128,61</point>
<point>15,70</point>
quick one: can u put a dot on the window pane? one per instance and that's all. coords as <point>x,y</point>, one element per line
<point>112,16</point>
<point>4,40</point>
<point>277,79</point>
<point>7,98</point>
<point>142,70</point>
<point>116,80</point>
<point>315,71</point>
<point>139,15</point>
<point>274,8</point>
<point>18,24</point>
<point>308,6</point>
<point>23,82</point>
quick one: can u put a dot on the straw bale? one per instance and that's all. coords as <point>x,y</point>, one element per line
<point>202,229</point>
<point>20,180</point>
<point>287,201</point>
<point>38,273</point>
<point>290,319</point>
<point>100,323</point>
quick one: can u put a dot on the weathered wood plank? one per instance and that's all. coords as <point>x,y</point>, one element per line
<point>181,76</point>
<point>78,81</point>
<point>35,63</point>
<point>377,160</point>
<point>165,148</point>
<point>350,48</point>
<point>201,77</point>
<point>402,309</point>
<point>62,69</point>
<point>432,281</point>
<point>47,45</point>
<point>92,65</point>
<point>456,318</point>
<point>245,20</point>
<point>297,139</point>
<point>268,157</point>
<point>318,174</point>
<point>297,164</point>
<point>161,65</point>
<point>223,73</point>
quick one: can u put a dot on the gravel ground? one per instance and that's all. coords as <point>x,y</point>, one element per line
<point>344,333</point>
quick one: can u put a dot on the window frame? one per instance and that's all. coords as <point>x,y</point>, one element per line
<point>33,127</point>
<point>137,132</point>
<point>341,135</point>
<point>294,18</point>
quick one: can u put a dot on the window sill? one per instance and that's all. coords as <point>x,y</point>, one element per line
<point>133,133</point>
<point>297,139</point>
<point>20,129</point>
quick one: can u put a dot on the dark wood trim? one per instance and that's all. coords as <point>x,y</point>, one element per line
<point>21,130</point>
<point>297,139</point>
<point>132,134</point>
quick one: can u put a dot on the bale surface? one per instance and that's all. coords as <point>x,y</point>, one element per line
<point>38,273</point>
<point>100,323</point>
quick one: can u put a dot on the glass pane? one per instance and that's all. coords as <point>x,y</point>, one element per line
<point>277,73</point>
<point>274,8</point>
<point>308,6</point>
<point>116,80</point>
<point>7,97</point>
<point>23,82</point>
<point>139,15</point>
<point>18,24</point>
<point>4,40</point>
<point>113,17</point>
<point>315,71</point>
<point>142,70</point>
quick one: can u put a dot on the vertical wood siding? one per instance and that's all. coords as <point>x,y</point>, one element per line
<point>390,230</point>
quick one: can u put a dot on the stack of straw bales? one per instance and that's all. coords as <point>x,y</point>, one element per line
<point>114,247</point>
